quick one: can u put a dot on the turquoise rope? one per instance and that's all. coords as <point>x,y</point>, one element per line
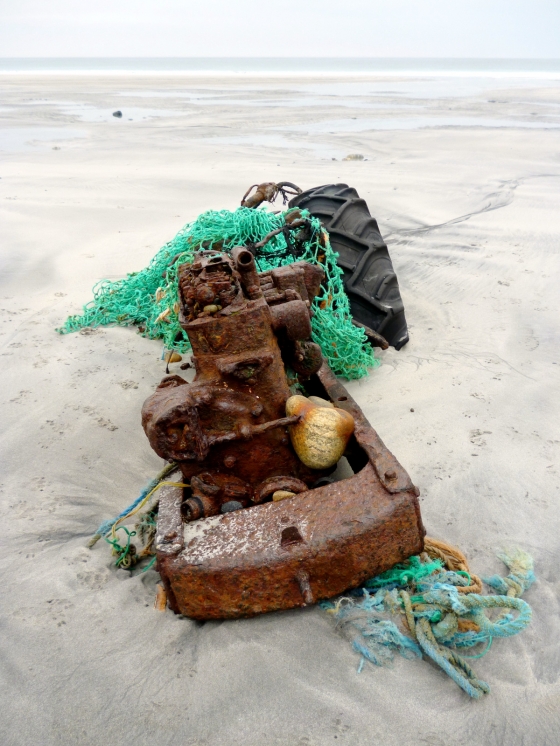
<point>433,606</point>
<point>452,663</point>
<point>480,655</point>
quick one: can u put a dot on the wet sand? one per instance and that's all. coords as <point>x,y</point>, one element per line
<point>463,176</point>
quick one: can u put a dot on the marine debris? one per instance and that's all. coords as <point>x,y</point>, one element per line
<point>429,607</point>
<point>278,492</point>
<point>149,298</point>
<point>257,522</point>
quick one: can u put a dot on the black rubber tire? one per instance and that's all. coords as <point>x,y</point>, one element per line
<point>369,277</point>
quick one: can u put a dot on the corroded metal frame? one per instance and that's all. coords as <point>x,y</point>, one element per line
<point>295,552</point>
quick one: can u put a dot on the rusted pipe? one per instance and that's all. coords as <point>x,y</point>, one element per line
<point>374,338</point>
<point>292,317</point>
<point>245,264</point>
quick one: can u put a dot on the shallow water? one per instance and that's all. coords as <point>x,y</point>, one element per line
<point>426,87</point>
<point>400,102</point>
<point>318,92</point>
<point>284,98</point>
<point>26,138</point>
<point>86,112</point>
<point>333,126</point>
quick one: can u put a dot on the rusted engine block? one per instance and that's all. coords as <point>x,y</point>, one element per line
<point>227,429</point>
<point>230,436</point>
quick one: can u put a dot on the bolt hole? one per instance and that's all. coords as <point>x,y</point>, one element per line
<point>342,398</point>
<point>290,536</point>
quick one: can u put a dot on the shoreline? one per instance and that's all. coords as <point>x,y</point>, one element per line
<point>288,74</point>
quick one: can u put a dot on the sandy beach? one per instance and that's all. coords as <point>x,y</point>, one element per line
<point>463,176</point>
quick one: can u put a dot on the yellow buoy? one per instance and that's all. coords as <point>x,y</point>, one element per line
<point>321,435</point>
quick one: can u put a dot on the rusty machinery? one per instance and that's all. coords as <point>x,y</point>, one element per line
<point>224,547</point>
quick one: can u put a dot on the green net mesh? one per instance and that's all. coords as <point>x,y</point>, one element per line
<point>149,299</point>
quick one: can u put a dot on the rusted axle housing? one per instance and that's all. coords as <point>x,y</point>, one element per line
<point>312,546</point>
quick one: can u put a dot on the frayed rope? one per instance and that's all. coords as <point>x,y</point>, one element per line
<point>107,526</point>
<point>440,610</point>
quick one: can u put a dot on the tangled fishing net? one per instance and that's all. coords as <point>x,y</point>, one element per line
<point>149,299</point>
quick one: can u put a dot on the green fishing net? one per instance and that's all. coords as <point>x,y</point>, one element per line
<point>149,298</point>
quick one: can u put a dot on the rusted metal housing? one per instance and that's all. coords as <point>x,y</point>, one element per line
<point>313,546</point>
<point>224,550</point>
<point>228,429</point>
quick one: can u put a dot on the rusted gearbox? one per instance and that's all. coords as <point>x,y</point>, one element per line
<point>229,433</point>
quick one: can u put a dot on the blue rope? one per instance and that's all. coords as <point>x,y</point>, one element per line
<point>433,615</point>
<point>106,526</point>
<point>506,626</point>
<point>480,655</point>
<point>452,663</point>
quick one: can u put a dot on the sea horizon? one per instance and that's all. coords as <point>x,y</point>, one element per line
<point>498,67</point>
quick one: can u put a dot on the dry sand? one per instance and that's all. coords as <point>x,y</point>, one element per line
<point>472,217</point>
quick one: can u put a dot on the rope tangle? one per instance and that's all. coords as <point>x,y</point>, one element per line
<point>145,528</point>
<point>436,593</point>
<point>438,599</point>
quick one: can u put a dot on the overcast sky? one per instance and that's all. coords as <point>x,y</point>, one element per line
<point>254,28</point>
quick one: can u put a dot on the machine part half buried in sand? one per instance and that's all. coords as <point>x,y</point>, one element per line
<point>240,435</point>
<point>296,551</point>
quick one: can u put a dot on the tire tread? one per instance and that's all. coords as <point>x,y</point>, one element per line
<point>369,278</point>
